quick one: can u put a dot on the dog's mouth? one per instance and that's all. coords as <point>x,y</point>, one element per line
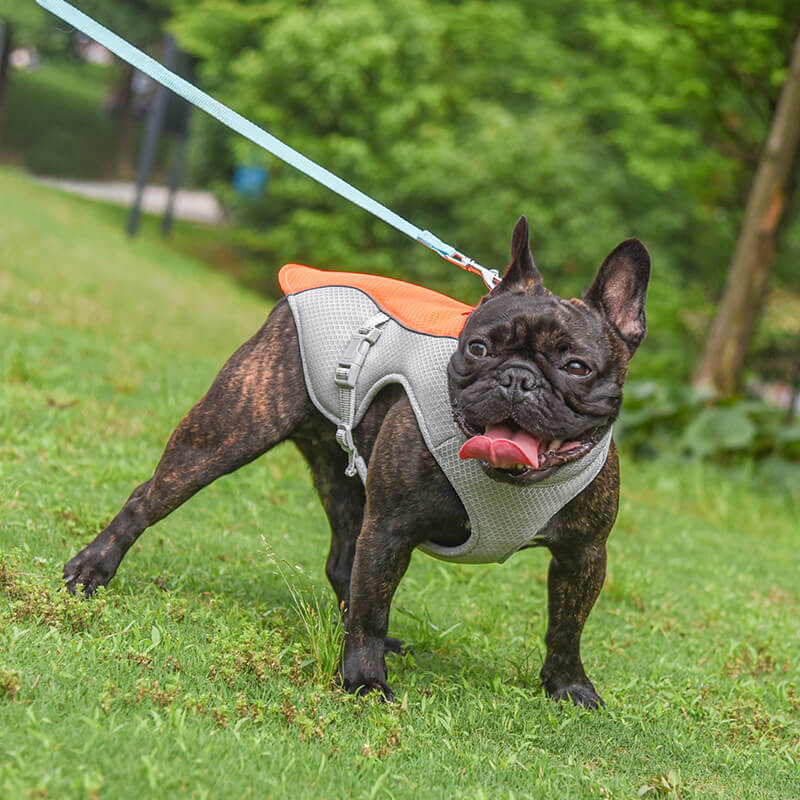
<point>512,453</point>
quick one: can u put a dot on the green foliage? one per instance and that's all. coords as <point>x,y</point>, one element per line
<point>599,121</point>
<point>192,674</point>
<point>661,417</point>
<point>32,25</point>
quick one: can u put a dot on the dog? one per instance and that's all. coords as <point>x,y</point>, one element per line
<point>534,384</point>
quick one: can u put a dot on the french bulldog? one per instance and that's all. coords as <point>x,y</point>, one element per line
<point>535,383</point>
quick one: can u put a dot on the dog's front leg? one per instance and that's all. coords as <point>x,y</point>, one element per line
<point>572,588</point>
<point>577,539</point>
<point>408,500</point>
<point>383,553</point>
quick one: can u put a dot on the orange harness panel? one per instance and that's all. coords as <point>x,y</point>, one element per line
<point>413,306</point>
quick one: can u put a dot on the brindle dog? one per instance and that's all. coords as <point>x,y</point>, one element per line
<point>530,368</point>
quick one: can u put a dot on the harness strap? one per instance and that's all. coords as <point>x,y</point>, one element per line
<point>346,376</point>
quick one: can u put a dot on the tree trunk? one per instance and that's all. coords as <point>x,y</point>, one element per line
<point>721,365</point>
<point>5,64</point>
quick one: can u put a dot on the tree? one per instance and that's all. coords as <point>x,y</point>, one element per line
<point>599,120</point>
<point>720,367</point>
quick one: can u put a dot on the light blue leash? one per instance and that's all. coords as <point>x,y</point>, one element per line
<point>149,66</point>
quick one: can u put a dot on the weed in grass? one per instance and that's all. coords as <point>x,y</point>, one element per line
<point>320,619</point>
<point>792,699</point>
<point>427,634</point>
<point>750,660</point>
<point>747,722</point>
<point>33,598</point>
<point>255,655</point>
<point>153,690</point>
<point>389,741</point>
<point>77,523</point>
<point>663,785</point>
<point>524,671</point>
<point>9,684</point>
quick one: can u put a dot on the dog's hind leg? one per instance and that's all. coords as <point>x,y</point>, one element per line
<point>253,404</point>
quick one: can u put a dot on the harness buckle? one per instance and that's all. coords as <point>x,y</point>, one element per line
<point>352,358</point>
<point>355,464</point>
<point>344,437</point>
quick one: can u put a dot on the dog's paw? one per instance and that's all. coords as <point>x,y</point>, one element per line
<point>582,694</point>
<point>90,569</point>
<point>386,693</point>
<point>364,671</point>
<point>392,645</point>
<point>361,685</point>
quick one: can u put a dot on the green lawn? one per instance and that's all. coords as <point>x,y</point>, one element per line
<point>193,675</point>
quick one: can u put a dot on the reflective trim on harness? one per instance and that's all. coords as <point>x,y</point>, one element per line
<point>346,376</point>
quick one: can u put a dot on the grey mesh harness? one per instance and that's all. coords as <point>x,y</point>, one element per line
<point>351,349</point>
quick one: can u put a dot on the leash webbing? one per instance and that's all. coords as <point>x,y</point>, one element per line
<point>227,116</point>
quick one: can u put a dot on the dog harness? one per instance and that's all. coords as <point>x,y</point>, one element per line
<point>359,333</point>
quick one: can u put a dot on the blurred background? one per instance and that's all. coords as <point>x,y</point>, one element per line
<point>598,119</point>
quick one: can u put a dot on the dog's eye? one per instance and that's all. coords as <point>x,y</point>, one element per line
<point>576,367</point>
<point>477,348</point>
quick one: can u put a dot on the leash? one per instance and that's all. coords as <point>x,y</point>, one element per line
<point>227,116</point>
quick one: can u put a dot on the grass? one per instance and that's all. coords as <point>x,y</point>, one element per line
<point>194,674</point>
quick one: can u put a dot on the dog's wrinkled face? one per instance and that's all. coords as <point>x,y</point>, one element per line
<point>536,380</point>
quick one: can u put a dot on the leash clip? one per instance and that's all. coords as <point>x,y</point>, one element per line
<point>491,277</point>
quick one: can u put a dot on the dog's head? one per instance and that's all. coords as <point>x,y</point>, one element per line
<point>536,381</point>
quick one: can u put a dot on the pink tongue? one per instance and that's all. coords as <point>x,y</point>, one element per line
<point>503,447</point>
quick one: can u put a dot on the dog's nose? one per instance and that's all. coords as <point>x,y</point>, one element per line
<point>517,380</point>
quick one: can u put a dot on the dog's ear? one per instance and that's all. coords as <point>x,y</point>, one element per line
<point>521,275</point>
<point>619,291</point>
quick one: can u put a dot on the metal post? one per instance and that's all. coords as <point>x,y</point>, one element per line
<point>155,124</point>
<point>176,174</point>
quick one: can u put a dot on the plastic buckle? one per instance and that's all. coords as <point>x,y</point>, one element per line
<point>344,436</point>
<point>354,355</point>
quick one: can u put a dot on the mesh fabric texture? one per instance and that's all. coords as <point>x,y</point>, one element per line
<point>503,517</point>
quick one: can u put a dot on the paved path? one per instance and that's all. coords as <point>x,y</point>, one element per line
<point>193,205</point>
